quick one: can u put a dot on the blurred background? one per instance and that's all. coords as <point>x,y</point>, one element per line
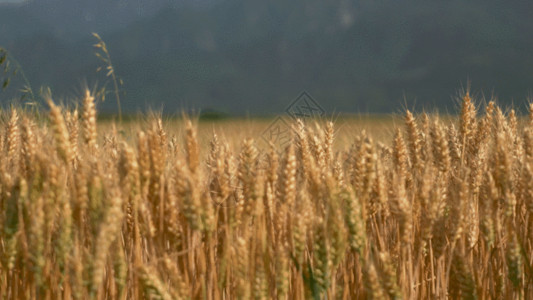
<point>240,57</point>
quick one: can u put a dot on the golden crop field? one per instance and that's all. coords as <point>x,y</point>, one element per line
<point>411,207</point>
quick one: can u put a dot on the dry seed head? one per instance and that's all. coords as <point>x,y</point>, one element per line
<point>61,135</point>
<point>403,210</point>
<point>500,123</point>
<point>144,160</point>
<point>487,226</point>
<point>306,154</point>
<point>171,218</point>
<point>128,166</point>
<point>453,144</point>
<point>462,282</point>
<point>227,169</point>
<point>389,276</point>
<point>214,153</point>
<point>11,230</point>
<point>338,171</point>
<point>318,151</point>
<point>400,158</point>
<point>153,287</point>
<point>472,223</point>
<point>425,148</point>
<point>220,183</point>
<point>72,119</point>
<point>528,143</point>
<point>120,269</point>
<point>157,167</point>
<point>370,158</point>
<point>299,226</point>
<point>29,144</point>
<point>429,197</point>
<point>459,198</point>
<point>503,167</point>
<point>527,185</point>
<point>109,232</point>
<point>37,236</point>
<point>514,262</point>
<point>413,136</point>
<point>337,234</point>
<point>188,192</point>
<point>207,209</point>
<point>380,189</point>
<point>441,152</point>
<point>77,268</point>
<point>467,116</point>
<point>288,177</point>
<point>89,120</point>
<point>372,281</point>
<point>328,142</point>
<point>321,255</point>
<point>282,272</point>
<point>242,257</point>
<point>191,146</point>
<point>355,222</point>
<point>513,124</point>
<point>484,128</point>
<point>467,126</point>
<point>359,156</point>
<point>163,140</point>
<point>130,182</point>
<point>248,164</point>
<point>273,162</point>
<point>260,284</point>
<point>177,280</point>
<point>13,138</point>
<point>64,241</point>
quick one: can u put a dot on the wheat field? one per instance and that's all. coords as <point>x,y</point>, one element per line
<point>439,210</point>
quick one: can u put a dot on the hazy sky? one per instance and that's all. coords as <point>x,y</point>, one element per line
<point>376,56</point>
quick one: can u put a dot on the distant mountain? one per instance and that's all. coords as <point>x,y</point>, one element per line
<point>255,56</point>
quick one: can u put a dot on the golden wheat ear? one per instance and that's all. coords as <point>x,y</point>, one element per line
<point>442,209</point>
<point>89,120</point>
<point>61,135</point>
